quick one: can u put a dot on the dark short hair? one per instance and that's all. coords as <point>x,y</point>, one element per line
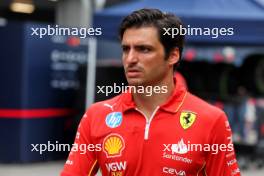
<point>159,20</point>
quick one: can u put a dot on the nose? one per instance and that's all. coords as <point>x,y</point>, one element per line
<point>131,57</point>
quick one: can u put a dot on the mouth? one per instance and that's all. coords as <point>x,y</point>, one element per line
<point>132,73</point>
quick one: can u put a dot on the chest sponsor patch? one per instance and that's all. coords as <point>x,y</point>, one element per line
<point>173,171</point>
<point>113,145</point>
<point>116,168</point>
<point>114,119</point>
<point>187,118</point>
<point>176,152</point>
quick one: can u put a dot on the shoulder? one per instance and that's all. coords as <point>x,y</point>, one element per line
<point>207,112</point>
<point>201,105</point>
<point>101,109</point>
<point>210,121</point>
<point>111,104</point>
<point>95,117</point>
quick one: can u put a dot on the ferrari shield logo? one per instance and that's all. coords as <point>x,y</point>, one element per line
<point>187,118</point>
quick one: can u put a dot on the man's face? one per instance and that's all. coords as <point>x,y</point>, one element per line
<point>144,57</point>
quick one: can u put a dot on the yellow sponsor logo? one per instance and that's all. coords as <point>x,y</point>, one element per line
<point>187,119</point>
<point>113,145</point>
<point>119,173</point>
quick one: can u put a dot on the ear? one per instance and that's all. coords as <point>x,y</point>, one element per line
<point>174,56</point>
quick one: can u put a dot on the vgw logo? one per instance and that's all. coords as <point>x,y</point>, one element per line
<point>116,168</point>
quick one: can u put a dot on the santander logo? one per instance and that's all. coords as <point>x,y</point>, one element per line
<point>180,148</point>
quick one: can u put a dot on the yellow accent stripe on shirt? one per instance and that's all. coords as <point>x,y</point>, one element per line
<point>181,102</point>
<point>91,170</point>
<point>201,169</point>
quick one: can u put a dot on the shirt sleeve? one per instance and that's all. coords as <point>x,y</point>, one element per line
<point>81,161</point>
<point>221,160</point>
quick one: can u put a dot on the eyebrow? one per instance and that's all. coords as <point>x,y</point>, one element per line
<point>138,45</point>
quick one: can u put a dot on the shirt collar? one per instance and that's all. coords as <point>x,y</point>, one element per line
<point>172,105</point>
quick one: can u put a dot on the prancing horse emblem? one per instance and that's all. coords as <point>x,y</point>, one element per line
<point>187,119</point>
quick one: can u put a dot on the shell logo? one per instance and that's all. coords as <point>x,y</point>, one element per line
<point>113,145</point>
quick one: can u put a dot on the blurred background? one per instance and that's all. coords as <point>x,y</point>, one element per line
<point>47,83</point>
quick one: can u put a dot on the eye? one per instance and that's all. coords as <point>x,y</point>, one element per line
<point>125,49</point>
<point>144,49</point>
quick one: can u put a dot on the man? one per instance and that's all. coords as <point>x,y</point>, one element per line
<point>168,133</point>
<point>179,77</point>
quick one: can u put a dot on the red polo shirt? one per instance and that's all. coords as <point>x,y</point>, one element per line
<point>184,136</point>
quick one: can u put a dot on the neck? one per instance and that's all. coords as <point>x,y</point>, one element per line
<point>148,102</point>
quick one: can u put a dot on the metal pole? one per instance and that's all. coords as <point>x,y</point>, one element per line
<point>91,71</point>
